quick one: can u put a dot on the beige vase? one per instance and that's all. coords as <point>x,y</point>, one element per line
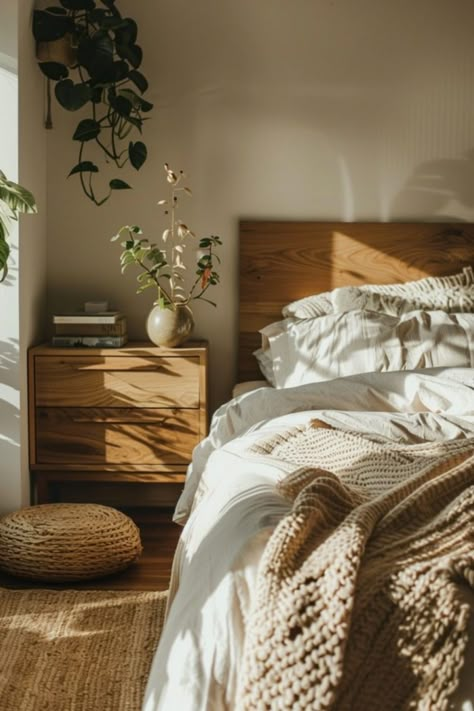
<point>169,327</point>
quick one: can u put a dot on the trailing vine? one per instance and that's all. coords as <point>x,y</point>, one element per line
<point>98,67</point>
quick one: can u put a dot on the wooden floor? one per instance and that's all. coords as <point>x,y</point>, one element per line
<point>152,572</point>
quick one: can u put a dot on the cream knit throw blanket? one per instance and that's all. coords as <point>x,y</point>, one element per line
<point>358,603</point>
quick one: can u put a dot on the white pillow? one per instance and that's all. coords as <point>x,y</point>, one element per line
<point>265,364</point>
<point>453,293</point>
<point>337,345</point>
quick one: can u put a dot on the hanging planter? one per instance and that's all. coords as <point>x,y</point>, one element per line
<point>90,53</point>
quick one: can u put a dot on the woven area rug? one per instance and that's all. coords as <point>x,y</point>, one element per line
<point>77,650</point>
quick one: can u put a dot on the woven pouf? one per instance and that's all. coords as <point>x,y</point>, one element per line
<point>66,542</point>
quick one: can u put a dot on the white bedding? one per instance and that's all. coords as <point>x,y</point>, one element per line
<point>236,507</point>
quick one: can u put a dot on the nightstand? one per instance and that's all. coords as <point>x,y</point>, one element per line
<point>128,417</point>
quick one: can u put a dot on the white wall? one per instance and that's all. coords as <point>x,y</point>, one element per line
<point>33,228</point>
<point>23,293</point>
<point>10,426</point>
<point>315,109</point>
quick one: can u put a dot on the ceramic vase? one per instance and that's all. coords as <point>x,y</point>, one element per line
<point>169,327</point>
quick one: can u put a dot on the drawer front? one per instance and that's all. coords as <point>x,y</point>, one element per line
<point>74,381</point>
<point>101,436</point>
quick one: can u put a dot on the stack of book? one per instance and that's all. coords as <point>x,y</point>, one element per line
<point>103,329</point>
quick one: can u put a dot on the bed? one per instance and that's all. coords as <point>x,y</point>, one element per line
<point>327,553</point>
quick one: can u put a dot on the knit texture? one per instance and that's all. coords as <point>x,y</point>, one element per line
<point>358,603</point>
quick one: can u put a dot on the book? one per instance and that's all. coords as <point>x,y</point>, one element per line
<point>89,341</point>
<point>119,328</point>
<point>83,317</point>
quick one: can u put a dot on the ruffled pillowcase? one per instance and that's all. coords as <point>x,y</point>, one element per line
<point>337,345</point>
<point>452,294</point>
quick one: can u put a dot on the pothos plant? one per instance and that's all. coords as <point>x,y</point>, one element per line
<point>14,199</point>
<point>163,268</point>
<point>103,59</point>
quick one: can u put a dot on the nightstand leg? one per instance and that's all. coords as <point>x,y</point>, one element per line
<point>41,488</point>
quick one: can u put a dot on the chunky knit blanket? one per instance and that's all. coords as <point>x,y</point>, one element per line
<point>359,603</point>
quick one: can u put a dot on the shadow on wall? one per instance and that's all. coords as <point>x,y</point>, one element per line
<point>435,186</point>
<point>9,412</point>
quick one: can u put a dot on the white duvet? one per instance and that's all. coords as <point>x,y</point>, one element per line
<point>231,507</point>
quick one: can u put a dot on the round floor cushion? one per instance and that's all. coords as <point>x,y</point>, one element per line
<point>66,542</point>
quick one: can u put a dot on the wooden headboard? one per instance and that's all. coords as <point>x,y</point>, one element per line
<point>284,261</point>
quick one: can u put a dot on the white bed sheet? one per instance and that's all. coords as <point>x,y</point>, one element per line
<point>197,663</point>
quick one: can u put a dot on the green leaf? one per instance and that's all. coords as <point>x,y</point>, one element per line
<point>49,26</point>
<point>96,54</point>
<point>127,33</point>
<point>78,4</point>
<point>131,52</point>
<point>72,96</point>
<point>145,106</point>
<point>16,197</point>
<point>137,153</point>
<point>86,130</point>
<point>85,166</point>
<point>121,105</point>
<point>56,10</point>
<point>54,70</point>
<point>117,184</point>
<point>138,79</point>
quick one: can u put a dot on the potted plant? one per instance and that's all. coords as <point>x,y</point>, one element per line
<point>170,321</point>
<point>14,199</point>
<point>90,51</point>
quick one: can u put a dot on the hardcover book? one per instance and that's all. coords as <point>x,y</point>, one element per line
<point>83,317</point>
<point>89,341</point>
<point>119,328</point>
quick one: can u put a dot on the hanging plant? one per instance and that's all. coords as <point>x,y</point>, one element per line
<point>90,53</point>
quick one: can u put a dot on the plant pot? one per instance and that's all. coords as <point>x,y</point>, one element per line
<point>169,327</point>
<point>60,50</point>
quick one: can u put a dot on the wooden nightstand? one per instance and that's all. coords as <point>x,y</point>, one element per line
<point>123,416</point>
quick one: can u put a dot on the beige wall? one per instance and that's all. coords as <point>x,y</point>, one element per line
<point>316,109</point>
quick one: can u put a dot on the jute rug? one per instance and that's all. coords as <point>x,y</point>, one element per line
<point>77,650</point>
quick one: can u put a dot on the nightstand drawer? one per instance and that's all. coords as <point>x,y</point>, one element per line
<point>88,436</point>
<point>112,381</point>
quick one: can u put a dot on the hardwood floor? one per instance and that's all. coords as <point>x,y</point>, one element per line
<point>152,572</point>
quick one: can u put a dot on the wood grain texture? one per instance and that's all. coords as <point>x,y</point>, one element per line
<point>128,417</point>
<point>113,436</point>
<point>284,261</point>
<point>111,381</point>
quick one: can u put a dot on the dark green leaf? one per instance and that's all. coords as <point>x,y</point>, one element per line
<point>127,32</point>
<point>72,96</point>
<point>121,105</point>
<point>138,79</point>
<point>78,4</point>
<point>110,5</point>
<point>131,52</point>
<point>96,94</point>
<point>120,70</point>
<point>99,15</point>
<point>145,106</point>
<point>137,153</point>
<point>134,121</point>
<point>96,54</point>
<point>86,166</point>
<point>117,184</point>
<point>131,96</point>
<point>49,26</point>
<point>56,10</point>
<point>86,130</point>
<point>54,70</point>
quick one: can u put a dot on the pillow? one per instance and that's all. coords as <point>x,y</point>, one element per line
<point>359,341</point>
<point>453,293</point>
<point>265,363</point>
